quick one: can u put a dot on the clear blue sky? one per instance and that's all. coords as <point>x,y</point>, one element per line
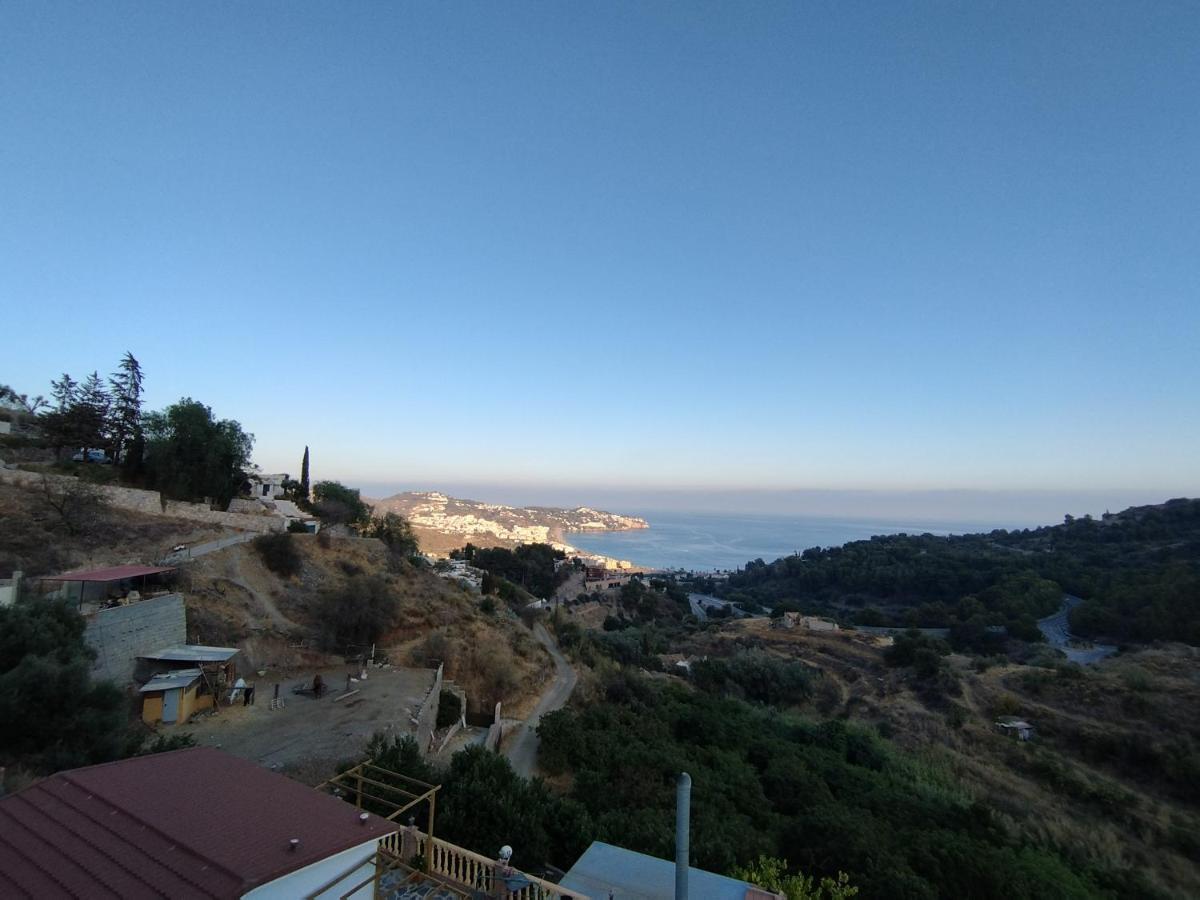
<point>771,245</point>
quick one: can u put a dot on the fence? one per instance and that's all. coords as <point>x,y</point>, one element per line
<point>470,870</point>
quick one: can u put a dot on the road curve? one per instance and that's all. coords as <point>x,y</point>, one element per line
<point>522,749</point>
<point>1057,629</point>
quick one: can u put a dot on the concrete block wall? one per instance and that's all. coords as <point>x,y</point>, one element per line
<point>427,715</point>
<point>122,634</point>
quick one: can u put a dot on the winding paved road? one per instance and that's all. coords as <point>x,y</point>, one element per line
<point>1057,629</point>
<point>522,749</point>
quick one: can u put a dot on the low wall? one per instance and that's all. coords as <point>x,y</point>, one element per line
<point>427,715</point>
<point>152,503</point>
<point>450,733</point>
<point>495,732</point>
<point>492,741</point>
<point>121,634</point>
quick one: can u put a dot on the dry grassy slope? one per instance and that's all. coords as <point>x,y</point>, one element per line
<point>1151,697</point>
<point>36,539</point>
<point>234,599</point>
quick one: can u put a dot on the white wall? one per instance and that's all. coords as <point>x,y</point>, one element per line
<point>304,881</point>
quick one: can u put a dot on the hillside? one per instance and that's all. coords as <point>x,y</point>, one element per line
<point>46,529</point>
<point>445,523</point>
<point>1137,571</point>
<point>1105,791</point>
<point>281,622</point>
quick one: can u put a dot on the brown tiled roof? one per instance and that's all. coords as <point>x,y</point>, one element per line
<point>194,823</point>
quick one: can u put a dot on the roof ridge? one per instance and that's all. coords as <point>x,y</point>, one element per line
<point>209,861</point>
<point>104,765</point>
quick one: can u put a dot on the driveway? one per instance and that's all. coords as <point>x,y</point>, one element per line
<point>523,747</point>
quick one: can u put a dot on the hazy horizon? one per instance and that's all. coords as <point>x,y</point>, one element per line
<point>986,509</point>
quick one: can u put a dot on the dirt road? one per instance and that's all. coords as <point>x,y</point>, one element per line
<point>523,747</point>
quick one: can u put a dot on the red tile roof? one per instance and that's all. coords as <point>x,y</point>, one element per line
<point>194,823</point>
<point>113,573</point>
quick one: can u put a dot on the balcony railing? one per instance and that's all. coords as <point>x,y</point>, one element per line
<point>460,868</point>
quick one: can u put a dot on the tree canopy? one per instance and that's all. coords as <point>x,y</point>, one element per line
<point>531,566</point>
<point>826,796</point>
<point>52,715</point>
<point>337,504</point>
<point>1138,573</point>
<point>190,455</point>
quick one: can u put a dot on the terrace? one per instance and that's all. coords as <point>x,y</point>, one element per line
<point>411,863</point>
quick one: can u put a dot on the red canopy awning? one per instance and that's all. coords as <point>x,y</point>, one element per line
<point>114,573</point>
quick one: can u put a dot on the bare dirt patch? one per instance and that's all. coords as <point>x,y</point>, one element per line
<point>311,733</point>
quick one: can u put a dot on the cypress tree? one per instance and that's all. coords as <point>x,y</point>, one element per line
<point>304,476</point>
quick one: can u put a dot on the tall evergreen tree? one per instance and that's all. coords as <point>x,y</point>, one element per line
<point>80,415</point>
<point>304,486</point>
<point>90,414</point>
<point>64,391</point>
<point>56,424</point>
<point>125,415</point>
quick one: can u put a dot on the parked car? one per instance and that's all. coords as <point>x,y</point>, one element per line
<point>92,456</point>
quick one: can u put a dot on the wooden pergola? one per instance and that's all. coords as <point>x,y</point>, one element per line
<point>356,781</point>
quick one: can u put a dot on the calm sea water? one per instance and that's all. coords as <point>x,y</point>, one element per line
<point>704,541</point>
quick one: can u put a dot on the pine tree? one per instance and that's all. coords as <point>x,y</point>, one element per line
<point>80,415</point>
<point>304,487</point>
<point>125,416</point>
<point>89,415</point>
<point>56,424</point>
<point>65,391</point>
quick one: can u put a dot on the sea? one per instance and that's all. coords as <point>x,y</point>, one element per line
<point>709,542</point>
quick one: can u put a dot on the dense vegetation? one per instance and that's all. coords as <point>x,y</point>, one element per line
<point>825,796</point>
<point>1138,573</point>
<point>279,554</point>
<point>484,805</point>
<point>355,614</point>
<point>52,714</point>
<point>337,504</point>
<point>530,566</point>
<point>190,455</point>
<point>182,451</point>
<point>755,676</point>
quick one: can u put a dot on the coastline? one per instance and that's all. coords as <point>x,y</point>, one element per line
<point>558,540</point>
<point>719,542</point>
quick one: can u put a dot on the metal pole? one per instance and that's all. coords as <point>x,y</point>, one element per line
<point>683,811</point>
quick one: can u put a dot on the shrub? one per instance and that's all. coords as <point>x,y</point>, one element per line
<point>279,553</point>
<point>358,614</point>
<point>449,709</point>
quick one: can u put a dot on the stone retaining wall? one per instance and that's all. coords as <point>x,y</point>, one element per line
<point>152,503</point>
